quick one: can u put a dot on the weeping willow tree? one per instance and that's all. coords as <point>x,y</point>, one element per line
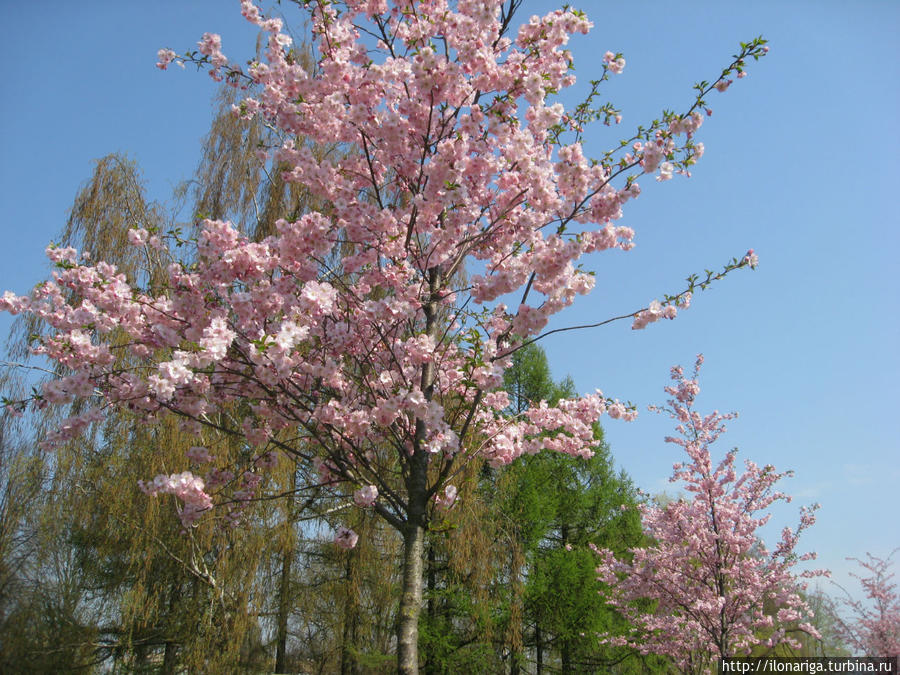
<point>91,570</point>
<point>233,182</point>
<point>22,476</point>
<point>112,575</point>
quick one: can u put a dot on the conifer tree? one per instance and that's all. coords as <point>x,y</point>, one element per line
<point>562,506</point>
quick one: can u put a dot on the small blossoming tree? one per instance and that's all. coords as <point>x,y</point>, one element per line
<point>707,587</point>
<point>368,339</point>
<point>874,629</point>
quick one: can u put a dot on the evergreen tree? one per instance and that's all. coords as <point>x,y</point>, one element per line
<point>510,581</point>
<point>562,504</point>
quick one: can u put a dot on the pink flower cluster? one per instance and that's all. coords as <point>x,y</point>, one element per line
<point>211,46</point>
<point>615,64</point>
<point>165,56</point>
<point>656,311</point>
<point>365,496</point>
<point>751,259</point>
<point>199,455</point>
<point>446,499</point>
<point>185,486</point>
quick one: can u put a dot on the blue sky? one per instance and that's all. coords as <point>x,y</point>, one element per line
<point>801,164</point>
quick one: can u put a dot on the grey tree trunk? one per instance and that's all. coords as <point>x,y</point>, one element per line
<point>411,598</point>
<point>417,506</point>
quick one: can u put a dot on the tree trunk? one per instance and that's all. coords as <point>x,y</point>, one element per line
<point>411,600</point>
<point>539,649</point>
<point>516,628</point>
<point>413,550</point>
<point>349,641</point>
<point>283,610</point>
<point>170,655</point>
<point>515,662</point>
<point>284,587</point>
<point>566,657</point>
<point>417,506</point>
<point>566,649</point>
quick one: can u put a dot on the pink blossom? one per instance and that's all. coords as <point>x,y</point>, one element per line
<point>346,538</point>
<point>165,56</point>
<point>722,84</point>
<point>614,64</point>
<point>616,410</point>
<point>446,499</point>
<point>138,236</point>
<point>751,259</point>
<point>199,455</point>
<point>665,171</point>
<point>186,487</point>
<point>210,46</point>
<point>873,625</point>
<point>325,470</point>
<point>654,312</point>
<point>12,303</point>
<point>62,255</point>
<point>365,496</point>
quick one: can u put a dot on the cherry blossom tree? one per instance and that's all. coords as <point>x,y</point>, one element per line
<point>368,339</point>
<point>708,587</point>
<point>875,627</point>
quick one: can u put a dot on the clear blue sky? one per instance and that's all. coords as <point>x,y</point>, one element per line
<point>801,165</point>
